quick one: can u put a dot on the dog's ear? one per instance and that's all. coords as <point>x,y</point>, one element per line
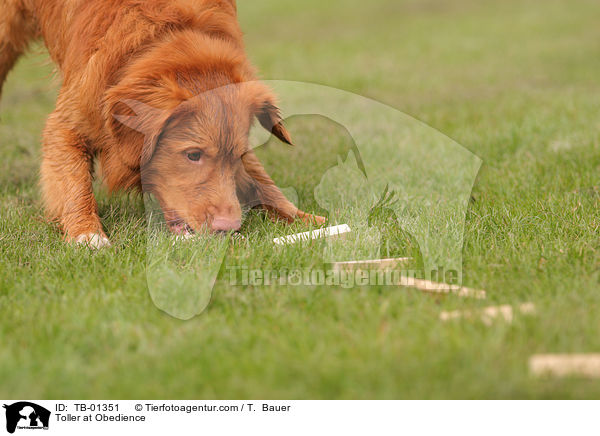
<point>134,108</point>
<point>146,120</point>
<point>267,112</point>
<point>270,118</point>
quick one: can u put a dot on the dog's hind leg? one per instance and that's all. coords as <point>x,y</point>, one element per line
<point>17,29</point>
<point>67,173</point>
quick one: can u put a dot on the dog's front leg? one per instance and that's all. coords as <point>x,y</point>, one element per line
<point>66,180</point>
<point>268,195</point>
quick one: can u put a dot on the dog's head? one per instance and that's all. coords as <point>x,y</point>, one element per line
<point>191,158</point>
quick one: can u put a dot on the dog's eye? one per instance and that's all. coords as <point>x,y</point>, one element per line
<point>194,156</point>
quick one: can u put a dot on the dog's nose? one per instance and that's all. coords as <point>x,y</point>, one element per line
<point>221,223</point>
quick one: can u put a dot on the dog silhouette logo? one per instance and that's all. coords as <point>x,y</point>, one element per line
<point>26,415</point>
<point>401,176</point>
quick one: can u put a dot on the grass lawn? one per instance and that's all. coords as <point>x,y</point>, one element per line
<point>516,83</point>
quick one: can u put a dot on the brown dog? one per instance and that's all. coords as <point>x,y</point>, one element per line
<point>162,94</point>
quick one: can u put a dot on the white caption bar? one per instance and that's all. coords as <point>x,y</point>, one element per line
<point>263,417</point>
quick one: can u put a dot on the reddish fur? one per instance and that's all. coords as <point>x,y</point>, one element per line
<point>160,53</point>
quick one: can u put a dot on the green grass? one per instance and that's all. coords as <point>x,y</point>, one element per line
<point>514,82</point>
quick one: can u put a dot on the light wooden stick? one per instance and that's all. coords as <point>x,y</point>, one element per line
<point>354,265</point>
<point>488,314</point>
<point>441,288</point>
<point>563,365</point>
<point>326,232</point>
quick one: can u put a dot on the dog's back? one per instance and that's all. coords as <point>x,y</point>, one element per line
<point>77,31</point>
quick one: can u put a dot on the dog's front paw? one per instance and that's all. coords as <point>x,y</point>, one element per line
<point>93,240</point>
<point>311,219</point>
<point>184,236</point>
